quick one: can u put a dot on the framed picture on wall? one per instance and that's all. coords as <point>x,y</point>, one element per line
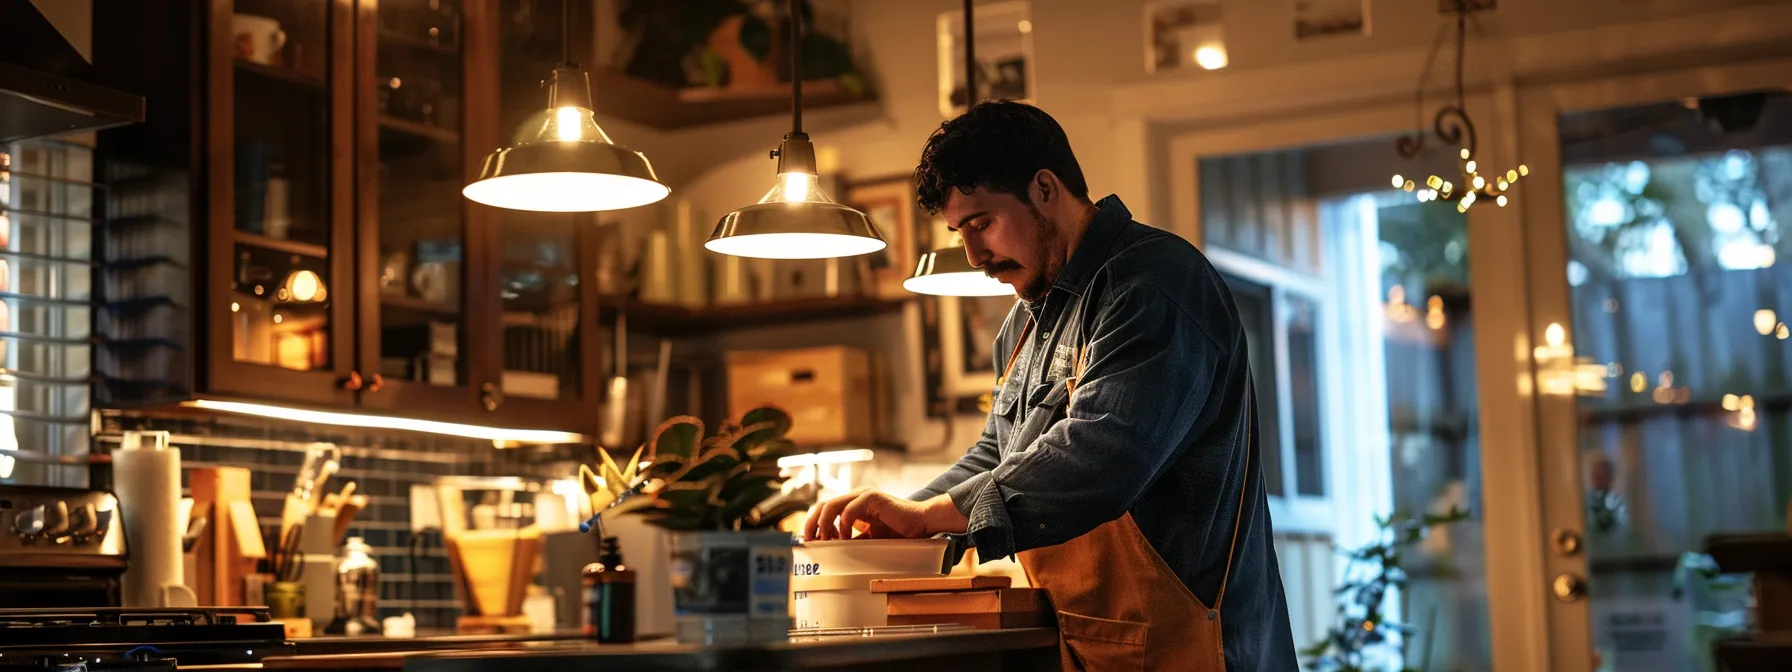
<point>959,343</point>
<point>890,203</point>
<point>1183,35</point>
<point>1330,18</point>
<point>1004,55</point>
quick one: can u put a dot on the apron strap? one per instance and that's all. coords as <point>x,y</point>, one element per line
<point>1238,516</point>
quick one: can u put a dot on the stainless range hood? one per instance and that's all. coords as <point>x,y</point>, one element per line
<point>46,87</point>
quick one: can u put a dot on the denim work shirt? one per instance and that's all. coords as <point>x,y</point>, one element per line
<point>1158,425</point>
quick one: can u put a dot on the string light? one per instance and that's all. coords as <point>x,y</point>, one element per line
<point>1452,125</point>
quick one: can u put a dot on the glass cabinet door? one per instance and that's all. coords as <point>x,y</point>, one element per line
<point>281,204</point>
<point>415,231</point>
<point>543,310</point>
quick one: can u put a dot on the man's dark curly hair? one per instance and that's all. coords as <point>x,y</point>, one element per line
<point>998,145</point>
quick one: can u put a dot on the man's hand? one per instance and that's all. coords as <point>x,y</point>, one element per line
<point>881,516</point>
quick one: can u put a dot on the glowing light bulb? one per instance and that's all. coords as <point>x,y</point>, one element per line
<point>234,307</point>
<point>1523,169</point>
<point>1502,184</point>
<point>1638,382</point>
<point>1732,402</point>
<point>1511,176</point>
<point>1398,180</point>
<point>1464,152</point>
<point>1211,57</point>
<point>1501,201</point>
<point>796,187</point>
<point>277,318</point>
<point>1470,166</point>
<point>1434,181</point>
<point>1765,320</point>
<point>1480,182</point>
<point>566,123</point>
<point>1025,26</point>
<point>1408,186</point>
<point>1448,186</point>
<point>1555,334</point>
<point>1782,332</point>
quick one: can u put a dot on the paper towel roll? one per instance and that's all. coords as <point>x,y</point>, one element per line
<point>146,476</point>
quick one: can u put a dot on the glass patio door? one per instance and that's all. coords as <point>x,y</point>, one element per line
<point>1656,250</point>
<point>1362,312</point>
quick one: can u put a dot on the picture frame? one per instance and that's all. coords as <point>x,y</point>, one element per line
<point>958,343</point>
<point>890,204</point>
<point>1314,19</point>
<point>1183,36</point>
<point>1004,55</point>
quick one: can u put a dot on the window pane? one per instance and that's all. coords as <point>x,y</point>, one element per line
<point>1303,392</point>
<point>1677,219</point>
<point>1259,336</point>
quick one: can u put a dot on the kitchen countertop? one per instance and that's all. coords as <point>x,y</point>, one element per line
<point>1020,649</point>
<point>337,645</point>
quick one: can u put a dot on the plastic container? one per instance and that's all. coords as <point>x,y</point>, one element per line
<point>840,601</point>
<point>905,557</point>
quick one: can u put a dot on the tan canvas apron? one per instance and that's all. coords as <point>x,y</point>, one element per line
<point>1119,606</point>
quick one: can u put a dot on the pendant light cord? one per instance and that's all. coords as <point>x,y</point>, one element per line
<point>796,69</point>
<point>970,55</point>
<point>566,34</point>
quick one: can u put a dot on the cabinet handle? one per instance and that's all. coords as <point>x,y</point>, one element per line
<point>490,397</point>
<point>353,382</point>
<point>377,383</point>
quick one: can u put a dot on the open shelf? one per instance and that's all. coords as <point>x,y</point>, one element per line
<point>672,320</point>
<point>282,244</point>
<point>417,130</point>
<point>396,38</point>
<point>416,307</point>
<point>664,107</point>
<point>285,75</point>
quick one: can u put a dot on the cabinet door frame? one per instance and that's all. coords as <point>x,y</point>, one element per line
<point>580,413</point>
<point>223,374</point>
<point>478,73</point>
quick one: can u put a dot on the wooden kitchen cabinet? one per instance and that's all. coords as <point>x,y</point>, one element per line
<point>336,263</point>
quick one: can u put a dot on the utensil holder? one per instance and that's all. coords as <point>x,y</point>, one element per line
<point>285,599</point>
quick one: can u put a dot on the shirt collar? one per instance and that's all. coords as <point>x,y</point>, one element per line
<point>1111,217</point>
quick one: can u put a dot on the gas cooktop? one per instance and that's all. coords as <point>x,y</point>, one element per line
<point>97,639</point>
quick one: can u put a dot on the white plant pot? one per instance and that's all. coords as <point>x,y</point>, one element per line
<point>731,587</point>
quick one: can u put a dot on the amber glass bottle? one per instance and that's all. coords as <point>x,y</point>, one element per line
<point>609,588</point>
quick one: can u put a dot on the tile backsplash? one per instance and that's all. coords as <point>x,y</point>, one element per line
<point>384,464</point>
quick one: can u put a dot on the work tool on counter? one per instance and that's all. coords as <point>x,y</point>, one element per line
<point>287,560</point>
<point>333,502</point>
<point>616,411</point>
<point>345,515</point>
<point>195,527</point>
<point>320,463</point>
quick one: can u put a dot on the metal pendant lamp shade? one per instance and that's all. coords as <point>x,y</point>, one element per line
<point>561,161</point>
<point>948,272</point>
<point>796,219</point>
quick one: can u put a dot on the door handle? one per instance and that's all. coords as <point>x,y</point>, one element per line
<point>1568,588</point>
<point>1568,542</point>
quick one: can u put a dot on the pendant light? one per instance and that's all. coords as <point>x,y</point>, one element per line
<point>796,219</point>
<point>947,271</point>
<point>560,160</point>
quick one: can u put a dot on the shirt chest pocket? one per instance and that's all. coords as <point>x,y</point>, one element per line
<point>1045,404</point>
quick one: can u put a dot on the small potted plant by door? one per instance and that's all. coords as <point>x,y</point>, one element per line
<point>722,499</point>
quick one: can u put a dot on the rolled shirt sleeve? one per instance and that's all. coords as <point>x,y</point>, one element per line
<point>1149,372</point>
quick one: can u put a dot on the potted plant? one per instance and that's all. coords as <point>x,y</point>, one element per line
<point>721,498</point>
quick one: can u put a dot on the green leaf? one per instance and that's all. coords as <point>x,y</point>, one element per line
<point>753,435</point>
<point>744,499</point>
<point>777,416</point>
<point>666,466</point>
<point>685,495</point>
<point>677,436</point>
<point>714,462</point>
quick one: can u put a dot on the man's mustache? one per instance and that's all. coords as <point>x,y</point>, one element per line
<point>992,268</point>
